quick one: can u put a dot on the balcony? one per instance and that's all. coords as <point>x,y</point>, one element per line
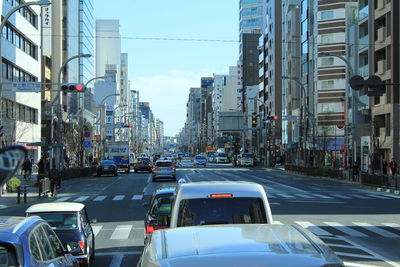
<point>364,71</point>
<point>363,13</point>
<point>363,42</point>
<point>381,4</point>
<point>381,34</point>
<point>381,67</point>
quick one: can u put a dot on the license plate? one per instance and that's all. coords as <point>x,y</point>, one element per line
<point>106,167</point>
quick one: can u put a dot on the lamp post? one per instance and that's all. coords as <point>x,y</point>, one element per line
<point>302,115</point>
<point>56,100</point>
<point>350,73</point>
<point>3,23</point>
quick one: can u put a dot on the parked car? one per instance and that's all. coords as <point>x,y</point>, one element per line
<point>200,160</point>
<point>71,223</point>
<point>142,164</point>
<point>107,167</point>
<point>164,168</point>
<point>31,242</point>
<point>221,158</point>
<point>226,202</point>
<point>159,210</point>
<point>239,245</point>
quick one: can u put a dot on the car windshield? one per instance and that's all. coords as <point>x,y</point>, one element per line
<point>221,211</point>
<point>221,155</point>
<point>60,221</point>
<point>107,162</point>
<point>248,156</point>
<point>200,157</point>
<point>163,163</point>
<point>143,160</point>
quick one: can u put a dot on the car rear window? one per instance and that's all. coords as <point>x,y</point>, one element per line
<point>163,164</point>
<point>248,156</point>
<point>221,211</point>
<point>60,221</point>
<point>221,155</point>
<point>144,160</point>
<point>200,157</point>
<point>107,162</point>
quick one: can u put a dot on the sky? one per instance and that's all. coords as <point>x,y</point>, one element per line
<point>164,71</point>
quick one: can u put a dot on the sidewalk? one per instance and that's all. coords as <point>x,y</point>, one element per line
<point>10,199</point>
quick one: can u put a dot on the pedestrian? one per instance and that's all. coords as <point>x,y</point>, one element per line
<point>41,166</point>
<point>26,168</point>
<point>355,171</point>
<point>393,166</point>
<point>384,166</point>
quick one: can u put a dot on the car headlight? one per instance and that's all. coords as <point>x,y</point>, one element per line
<point>73,247</point>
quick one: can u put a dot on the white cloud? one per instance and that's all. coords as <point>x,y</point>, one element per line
<point>168,94</point>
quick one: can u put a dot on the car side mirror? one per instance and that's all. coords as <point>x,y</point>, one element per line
<point>12,158</point>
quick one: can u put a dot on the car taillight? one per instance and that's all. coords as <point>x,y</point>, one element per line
<point>172,168</point>
<point>221,195</point>
<point>82,246</point>
<point>152,228</point>
<point>148,164</point>
<point>155,168</point>
<point>136,164</point>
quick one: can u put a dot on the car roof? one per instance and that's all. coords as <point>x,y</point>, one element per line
<point>163,160</point>
<point>204,189</point>
<point>250,244</point>
<point>16,224</point>
<point>165,190</point>
<point>56,207</point>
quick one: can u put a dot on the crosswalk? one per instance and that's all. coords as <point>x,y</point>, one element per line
<point>99,198</point>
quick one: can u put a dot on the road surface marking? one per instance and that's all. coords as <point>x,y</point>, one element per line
<point>121,232</point>
<point>393,225</point>
<point>304,196</point>
<point>378,196</point>
<point>352,264</point>
<point>137,197</point>
<point>119,197</point>
<point>341,196</point>
<point>62,199</point>
<point>285,195</point>
<point>83,198</point>
<point>375,229</point>
<point>322,196</point>
<point>360,196</point>
<point>313,228</point>
<point>99,198</point>
<point>116,260</point>
<point>345,229</point>
<point>96,229</point>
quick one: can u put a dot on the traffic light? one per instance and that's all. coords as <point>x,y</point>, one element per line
<point>374,83</point>
<point>128,126</point>
<point>254,120</point>
<point>73,88</point>
<point>272,118</point>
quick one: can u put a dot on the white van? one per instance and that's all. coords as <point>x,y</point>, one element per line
<point>221,158</point>
<point>222,202</point>
<point>246,159</point>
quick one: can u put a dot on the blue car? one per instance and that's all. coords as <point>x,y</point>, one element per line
<point>31,242</point>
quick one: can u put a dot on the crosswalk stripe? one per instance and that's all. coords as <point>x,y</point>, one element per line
<point>121,232</point>
<point>313,228</point>
<point>305,196</point>
<point>393,225</point>
<point>360,196</point>
<point>137,197</point>
<point>345,229</point>
<point>321,196</point>
<point>99,198</point>
<point>375,229</point>
<point>119,197</point>
<point>286,196</point>
<point>96,229</point>
<point>377,196</point>
<point>62,199</point>
<point>341,196</point>
<point>82,198</point>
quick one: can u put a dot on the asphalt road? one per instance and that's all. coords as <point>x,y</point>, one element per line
<point>361,225</point>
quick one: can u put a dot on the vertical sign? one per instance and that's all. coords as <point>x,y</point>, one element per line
<point>46,30</point>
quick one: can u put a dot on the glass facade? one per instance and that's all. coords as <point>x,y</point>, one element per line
<point>250,16</point>
<point>304,40</point>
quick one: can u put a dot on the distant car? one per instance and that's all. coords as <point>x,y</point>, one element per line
<point>246,159</point>
<point>71,223</point>
<point>159,210</point>
<point>200,160</point>
<point>164,168</point>
<point>216,202</point>
<point>221,158</point>
<point>142,164</point>
<point>239,245</point>
<point>107,167</point>
<point>31,242</point>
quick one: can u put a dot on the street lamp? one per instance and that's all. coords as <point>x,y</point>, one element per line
<point>3,23</point>
<point>57,99</point>
<point>302,115</point>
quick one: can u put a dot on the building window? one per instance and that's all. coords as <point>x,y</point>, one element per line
<point>327,38</point>
<point>17,39</point>
<point>327,61</point>
<point>327,84</point>
<point>327,14</point>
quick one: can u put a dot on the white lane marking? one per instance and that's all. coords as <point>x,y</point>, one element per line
<point>99,198</point>
<point>119,197</point>
<point>83,198</point>
<point>116,260</point>
<point>393,225</point>
<point>137,197</point>
<point>188,179</point>
<point>360,196</point>
<point>269,195</point>
<point>274,203</point>
<point>62,199</point>
<point>345,229</point>
<point>285,196</point>
<point>277,222</point>
<point>96,229</point>
<point>121,232</point>
<point>378,196</point>
<point>352,264</point>
<point>377,256</point>
<point>341,196</point>
<point>304,196</point>
<point>375,229</point>
<point>321,196</point>
<point>313,228</point>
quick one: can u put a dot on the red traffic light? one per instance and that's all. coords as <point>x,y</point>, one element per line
<point>80,88</point>
<point>73,87</point>
<point>276,117</point>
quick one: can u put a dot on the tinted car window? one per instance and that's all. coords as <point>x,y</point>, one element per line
<point>221,211</point>
<point>248,156</point>
<point>221,155</point>
<point>60,221</point>
<point>53,239</point>
<point>162,204</point>
<point>48,252</point>
<point>7,256</point>
<point>107,162</point>
<point>143,160</point>
<point>34,247</point>
<point>163,164</point>
<point>200,157</point>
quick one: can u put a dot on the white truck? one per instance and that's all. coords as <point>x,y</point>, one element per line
<point>119,153</point>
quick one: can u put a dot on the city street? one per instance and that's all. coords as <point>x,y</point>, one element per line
<point>361,225</point>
